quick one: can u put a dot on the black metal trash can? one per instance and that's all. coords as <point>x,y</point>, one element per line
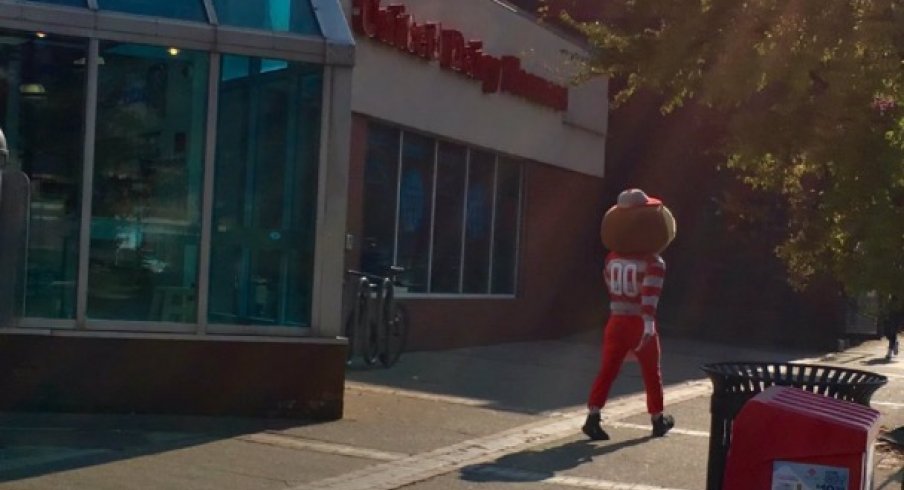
<point>734,383</point>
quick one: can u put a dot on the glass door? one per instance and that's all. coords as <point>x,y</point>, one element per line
<point>266,187</point>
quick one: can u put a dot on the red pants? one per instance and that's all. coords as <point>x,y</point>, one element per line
<point>622,335</point>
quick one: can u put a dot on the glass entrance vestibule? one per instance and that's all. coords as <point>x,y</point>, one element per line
<point>180,156</point>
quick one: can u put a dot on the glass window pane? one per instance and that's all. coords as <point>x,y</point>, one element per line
<point>451,164</point>
<point>151,111</point>
<point>381,170</point>
<point>478,223</point>
<point>508,190</point>
<point>42,100</point>
<point>274,15</point>
<point>415,210</point>
<point>173,9</point>
<point>265,200</point>
<point>71,3</point>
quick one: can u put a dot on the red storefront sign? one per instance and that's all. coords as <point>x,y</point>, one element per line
<point>393,26</point>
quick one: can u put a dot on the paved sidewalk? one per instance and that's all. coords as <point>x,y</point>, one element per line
<point>496,417</point>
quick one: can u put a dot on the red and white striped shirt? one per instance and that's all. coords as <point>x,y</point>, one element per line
<point>635,284</point>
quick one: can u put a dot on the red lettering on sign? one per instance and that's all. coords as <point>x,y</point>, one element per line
<point>385,26</point>
<point>511,71</point>
<point>451,49</point>
<point>489,71</point>
<point>473,52</point>
<point>432,30</point>
<point>403,32</point>
<point>364,17</point>
<point>394,27</point>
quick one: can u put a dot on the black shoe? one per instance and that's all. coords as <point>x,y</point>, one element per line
<point>662,425</point>
<point>593,429</point>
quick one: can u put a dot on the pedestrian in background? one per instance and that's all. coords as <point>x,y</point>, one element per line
<point>892,319</point>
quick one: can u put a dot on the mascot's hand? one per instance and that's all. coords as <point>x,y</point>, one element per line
<point>649,330</point>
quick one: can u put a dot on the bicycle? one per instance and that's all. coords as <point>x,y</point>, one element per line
<point>377,326</point>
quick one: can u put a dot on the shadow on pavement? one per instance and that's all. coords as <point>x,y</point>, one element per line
<point>878,361</point>
<point>39,444</point>
<point>548,375</point>
<point>544,464</point>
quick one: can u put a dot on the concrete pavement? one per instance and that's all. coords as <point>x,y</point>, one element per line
<point>495,417</point>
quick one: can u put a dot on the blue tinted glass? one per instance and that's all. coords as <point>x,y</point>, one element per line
<point>174,9</point>
<point>42,100</point>
<point>275,15</point>
<point>235,67</point>
<point>265,200</point>
<point>148,170</point>
<point>273,65</point>
<point>71,3</point>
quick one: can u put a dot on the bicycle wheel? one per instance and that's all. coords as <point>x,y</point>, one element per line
<point>353,328</point>
<point>396,335</point>
<point>371,351</point>
<point>350,335</point>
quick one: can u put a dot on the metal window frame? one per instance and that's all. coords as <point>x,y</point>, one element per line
<point>207,192</point>
<point>329,254</point>
<point>519,223</point>
<point>398,196</point>
<point>82,321</point>
<point>211,12</point>
<point>340,46</point>
<point>429,287</point>
<point>332,173</point>
<point>493,224</point>
<point>251,331</point>
<point>460,294</point>
<point>87,191</point>
<point>464,222</point>
<point>203,36</point>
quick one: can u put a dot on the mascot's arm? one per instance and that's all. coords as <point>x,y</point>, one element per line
<point>649,292</point>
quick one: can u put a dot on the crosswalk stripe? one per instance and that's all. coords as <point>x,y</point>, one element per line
<point>423,466</point>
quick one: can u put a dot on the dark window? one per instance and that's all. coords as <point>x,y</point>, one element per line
<point>415,210</point>
<point>479,221</point>
<point>42,102</point>
<point>381,188</point>
<point>505,228</point>
<point>451,167</point>
<point>449,214</point>
<point>148,169</point>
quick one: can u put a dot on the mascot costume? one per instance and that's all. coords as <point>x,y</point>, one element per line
<point>636,230</point>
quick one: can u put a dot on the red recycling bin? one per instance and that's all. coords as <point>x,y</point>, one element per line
<point>790,439</point>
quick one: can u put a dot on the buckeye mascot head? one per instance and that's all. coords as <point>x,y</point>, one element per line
<point>637,224</point>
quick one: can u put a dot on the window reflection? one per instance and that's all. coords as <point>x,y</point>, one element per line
<point>451,166</point>
<point>505,233</point>
<point>469,199</point>
<point>266,188</point>
<point>174,9</point>
<point>71,3</point>
<point>147,180</point>
<point>276,15</point>
<point>42,100</point>
<point>479,222</point>
<point>381,173</point>
<point>415,210</point>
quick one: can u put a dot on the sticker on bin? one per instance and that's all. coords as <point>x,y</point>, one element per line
<point>799,476</point>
